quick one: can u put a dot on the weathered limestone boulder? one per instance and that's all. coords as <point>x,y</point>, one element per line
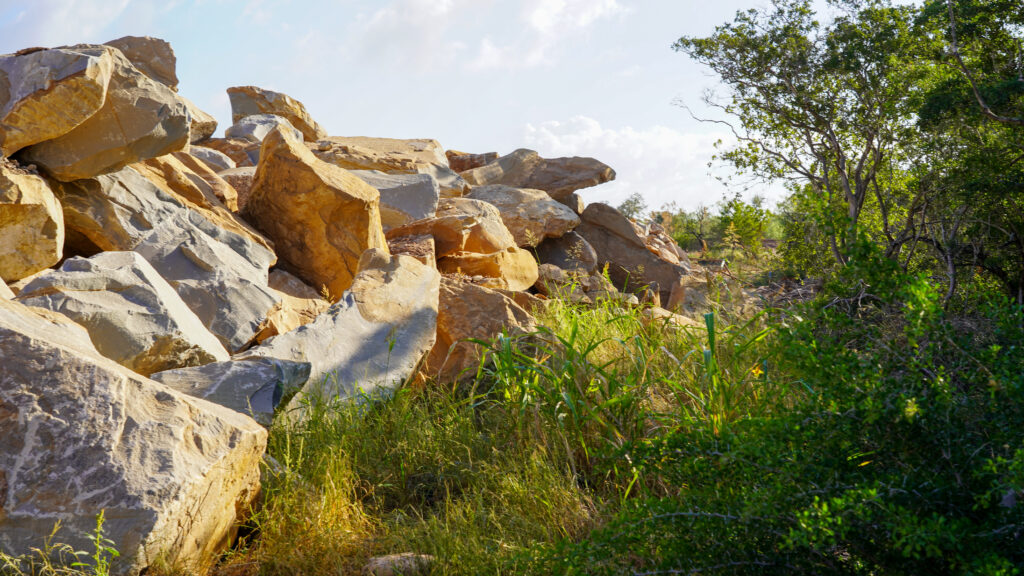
<point>152,56</point>
<point>462,161</point>
<point>419,246</point>
<point>253,387</point>
<point>404,198</point>
<point>470,311</point>
<point>256,127</point>
<point>462,225</point>
<point>216,160</point>
<point>369,341</point>
<point>300,304</point>
<point>140,118</point>
<point>241,180</point>
<point>45,94</point>
<point>530,215</point>
<point>203,125</point>
<point>241,152</point>
<point>631,265</point>
<point>509,269</point>
<point>31,223</point>
<point>133,315</point>
<point>394,156</point>
<point>83,434</point>
<point>250,100</point>
<point>559,177</point>
<point>221,274</point>
<point>569,252</point>
<point>321,218</point>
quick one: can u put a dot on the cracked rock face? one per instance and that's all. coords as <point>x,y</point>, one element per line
<point>133,315</point>
<point>83,434</point>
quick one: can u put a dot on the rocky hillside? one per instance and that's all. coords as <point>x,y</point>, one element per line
<point>168,296</point>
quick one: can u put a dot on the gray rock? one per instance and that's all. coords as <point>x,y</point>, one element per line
<point>152,56</point>
<point>559,177</point>
<point>253,387</point>
<point>215,159</point>
<point>249,100</point>
<point>570,252</point>
<point>82,434</point>
<point>256,127</point>
<point>221,275</point>
<point>530,215</point>
<point>403,197</point>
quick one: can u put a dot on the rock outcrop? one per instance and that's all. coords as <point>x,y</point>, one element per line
<point>321,218</point>
<point>83,434</point>
<point>251,100</point>
<point>530,215</point>
<point>133,315</point>
<point>559,177</point>
<point>31,223</point>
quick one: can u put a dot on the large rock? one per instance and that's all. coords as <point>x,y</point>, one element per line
<point>215,159</point>
<point>133,315</point>
<point>404,198</point>
<point>394,156</point>
<point>371,340</point>
<point>299,305</point>
<point>202,126</point>
<point>461,225</point>
<point>320,217</point>
<point>509,269</point>
<point>466,312</point>
<point>221,274</point>
<point>631,265</point>
<point>31,223</point>
<point>253,387</point>
<point>250,100</point>
<point>242,152</point>
<point>530,215</point>
<point>83,434</point>
<point>140,118</point>
<point>570,252</point>
<point>256,127</point>
<point>152,56</point>
<point>462,161</point>
<point>559,177</point>
<point>45,94</point>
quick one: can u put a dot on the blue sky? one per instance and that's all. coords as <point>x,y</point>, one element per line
<point>564,77</point>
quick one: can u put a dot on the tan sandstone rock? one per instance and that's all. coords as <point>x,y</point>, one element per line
<point>31,223</point>
<point>241,180</point>
<point>300,304</point>
<point>559,177</point>
<point>45,94</point>
<point>462,225</point>
<point>320,217</point>
<point>242,152</point>
<point>82,434</point>
<point>394,156</point>
<point>530,215</point>
<point>462,161</point>
<point>201,189</point>
<point>152,56</point>
<point>203,125</point>
<point>509,269</point>
<point>251,100</point>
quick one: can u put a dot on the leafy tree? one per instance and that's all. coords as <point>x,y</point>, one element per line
<point>633,206</point>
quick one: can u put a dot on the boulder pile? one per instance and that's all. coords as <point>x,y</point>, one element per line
<point>167,296</point>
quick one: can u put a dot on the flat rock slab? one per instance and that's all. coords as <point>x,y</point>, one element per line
<point>215,159</point>
<point>394,156</point>
<point>404,198</point>
<point>559,177</point>
<point>83,434</point>
<point>134,317</point>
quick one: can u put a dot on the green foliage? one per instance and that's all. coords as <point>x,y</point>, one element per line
<point>634,206</point>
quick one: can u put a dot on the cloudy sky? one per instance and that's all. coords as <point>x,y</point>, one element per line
<point>564,77</point>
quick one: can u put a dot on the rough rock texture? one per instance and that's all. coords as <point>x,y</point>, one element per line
<point>45,94</point>
<point>469,311</point>
<point>419,246</point>
<point>241,180</point>
<point>83,434</point>
<point>321,218</point>
<point>530,215</point>
<point>152,56</point>
<point>554,282</point>
<point>462,161</point>
<point>570,252</point>
<point>369,341</point>
<point>241,152</point>
<point>203,125</point>
<point>574,202</point>
<point>133,315</point>
<point>299,305</point>
<point>631,265</point>
<point>220,274</point>
<point>250,100</point>
<point>215,159</point>
<point>510,269</point>
<point>404,198</point>
<point>31,223</point>
<point>405,564</point>
<point>139,119</point>
<point>256,127</point>
<point>559,177</point>
<point>462,225</point>
<point>222,190</point>
<point>253,387</point>
<point>394,156</point>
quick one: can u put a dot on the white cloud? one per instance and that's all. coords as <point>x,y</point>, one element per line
<point>56,22</point>
<point>553,16</point>
<point>662,164</point>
